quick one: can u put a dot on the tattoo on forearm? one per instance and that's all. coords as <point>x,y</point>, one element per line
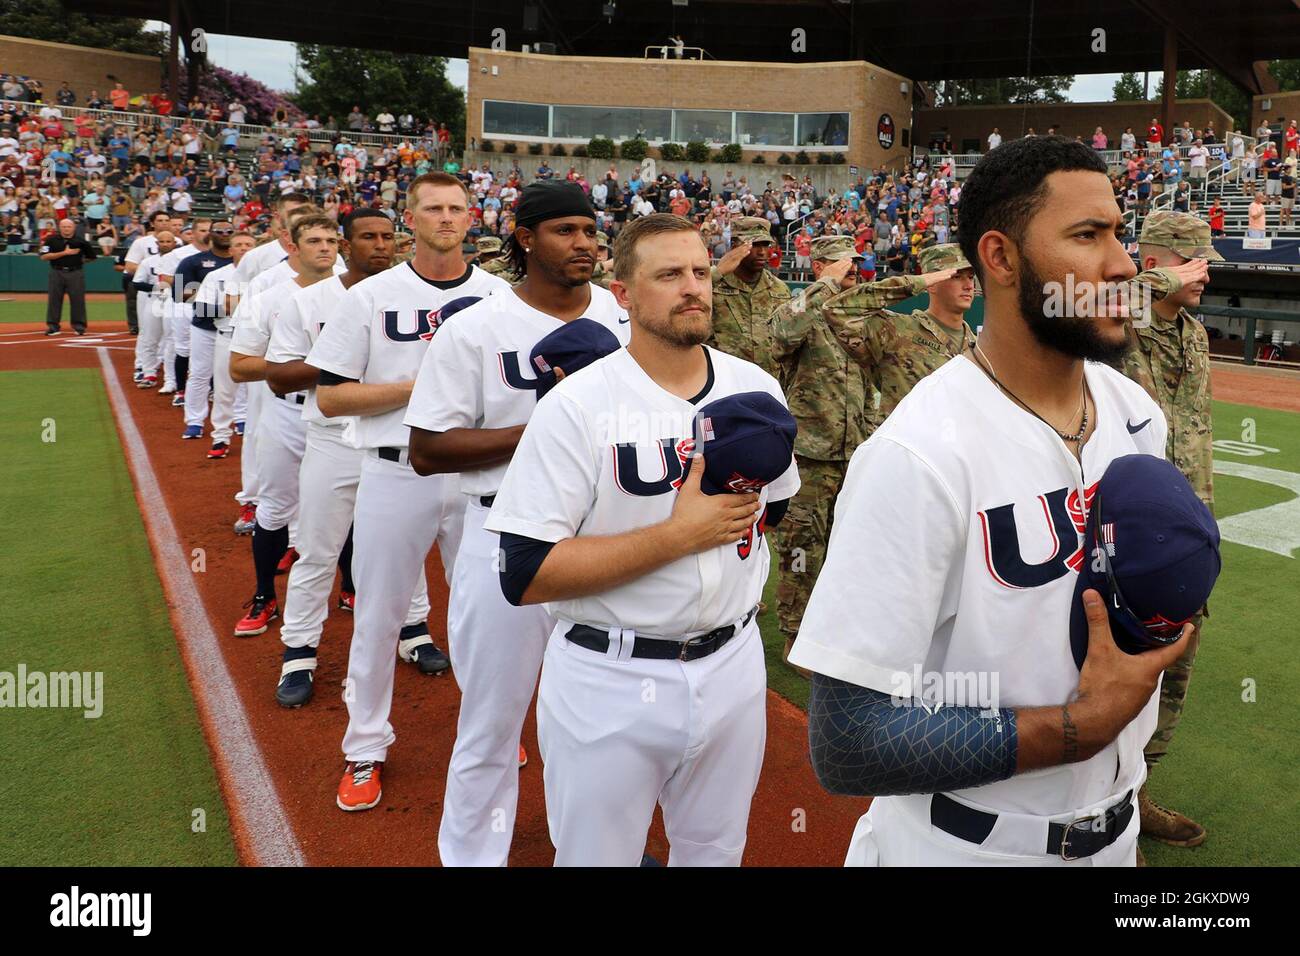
<point>1070,736</point>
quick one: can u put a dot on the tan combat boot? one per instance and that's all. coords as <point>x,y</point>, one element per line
<point>785,656</point>
<point>1167,826</point>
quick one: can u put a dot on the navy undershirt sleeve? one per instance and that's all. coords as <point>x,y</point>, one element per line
<point>329,378</point>
<point>521,556</point>
<point>774,512</point>
<point>867,743</point>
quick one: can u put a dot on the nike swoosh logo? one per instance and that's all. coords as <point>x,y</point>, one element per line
<point>1134,429</point>
<point>624,321</point>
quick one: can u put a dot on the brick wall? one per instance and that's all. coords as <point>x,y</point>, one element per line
<point>863,90</point>
<point>1072,119</point>
<point>85,68</point>
<point>1280,105</point>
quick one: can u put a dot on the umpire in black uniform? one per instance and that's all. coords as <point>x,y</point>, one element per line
<point>66,253</point>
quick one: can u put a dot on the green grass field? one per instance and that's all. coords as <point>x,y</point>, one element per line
<point>120,789</point>
<point>1233,766</point>
<point>13,312</point>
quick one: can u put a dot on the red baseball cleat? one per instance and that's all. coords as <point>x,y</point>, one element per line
<point>219,450</point>
<point>262,611</point>
<point>247,519</point>
<point>359,789</point>
<point>347,601</point>
<point>287,561</point>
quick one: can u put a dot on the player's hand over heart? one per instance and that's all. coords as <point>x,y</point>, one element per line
<point>705,521</point>
<point>1114,686</point>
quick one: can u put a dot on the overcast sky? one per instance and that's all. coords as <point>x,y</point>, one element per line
<point>272,62</point>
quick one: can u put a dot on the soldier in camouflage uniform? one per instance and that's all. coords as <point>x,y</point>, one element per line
<point>1170,358</point>
<point>603,274</point>
<point>827,394</point>
<point>745,294</point>
<point>489,249</point>
<point>497,264</point>
<point>899,350</point>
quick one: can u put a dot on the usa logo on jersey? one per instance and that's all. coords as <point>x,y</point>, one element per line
<point>398,327</point>
<point>1065,518</point>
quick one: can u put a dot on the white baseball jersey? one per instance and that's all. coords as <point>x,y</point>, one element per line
<point>955,549</point>
<point>477,373</point>
<point>212,291</point>
<point>142,247</point>
<point>281,272</point>
<point>604,454</point>
<point>256,316</point>
<point>146,273</point>
<point>298,328</point>
<point>258,259</point>
<point>381,329</point>
<point>174,258</point>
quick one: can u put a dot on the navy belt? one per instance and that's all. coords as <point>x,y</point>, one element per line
<point>390,454</point>
<point>1070,841</point>
<point>487,500</point>
<point>654,648</point>
<point>297,399</point>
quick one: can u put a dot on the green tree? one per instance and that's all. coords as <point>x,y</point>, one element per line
<point>333,79</point>
<point>1211,85</point>
<point>1012,89</point>
<point>50,20</point>
<point>1128,88</point>
<point>1287,74</point>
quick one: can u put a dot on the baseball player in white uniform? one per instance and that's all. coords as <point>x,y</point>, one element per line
<point>938,630</point>
<point>331,461</point>
<point>229,400</point>
<point>653,584</point>
<point>150,302</point>
<point>472,398</point>
<point>269,253</point>
<point>280,435</point>
<point>368,355</point>
<point>142,247</point>
<point>179,312</point>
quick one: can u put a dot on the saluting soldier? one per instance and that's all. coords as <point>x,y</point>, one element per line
<point>827,394</point>
<point>603,274</point>
<point>899,350</point>
<point>745,294</point>
<point>1170,358</point>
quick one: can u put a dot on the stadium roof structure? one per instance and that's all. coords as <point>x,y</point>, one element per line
<point>925,40</point>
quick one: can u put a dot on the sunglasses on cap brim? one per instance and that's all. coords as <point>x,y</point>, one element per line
<point>1157,631</point>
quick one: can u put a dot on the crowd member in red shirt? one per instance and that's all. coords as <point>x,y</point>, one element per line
<point>1155,133</point>
<point>1216,219</point>
<point>253,210</point>
<point>120,97</point>
<point>161,104</point>
<point>1291,139</point>
<point>774,257</point>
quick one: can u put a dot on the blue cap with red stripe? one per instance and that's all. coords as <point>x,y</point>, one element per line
<point>747,440</point>
<point>1151,549</point>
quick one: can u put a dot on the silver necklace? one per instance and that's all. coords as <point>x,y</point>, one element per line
<point>987,367</point>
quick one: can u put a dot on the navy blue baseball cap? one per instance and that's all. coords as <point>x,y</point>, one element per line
<point>572,346</point>
<point>1151,550</point>
<point>747,440</point>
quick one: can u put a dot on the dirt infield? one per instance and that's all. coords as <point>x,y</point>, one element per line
<point>794,822</point>
<point>1270,387</point>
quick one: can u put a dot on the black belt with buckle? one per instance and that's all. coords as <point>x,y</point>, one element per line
<point>487,500</point>
<point>297,399</point>
<point>1070,841</point>
<point>654,648</point>
<point>390,454</point>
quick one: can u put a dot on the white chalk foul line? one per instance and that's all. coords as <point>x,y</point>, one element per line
<point>252,796</point>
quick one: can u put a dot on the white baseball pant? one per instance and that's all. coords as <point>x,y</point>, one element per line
<point>619,733</point>
<point>167,343</point>
<point>896,831</point>
<point>229,399</point>
<point>203,343</point>
<point>148,343</point>
<point>399,515</point>
<point>281,438</point>
<point>259,393</point>
<point>182,314</point>
<point>496,652</point>
<point>327,481</point>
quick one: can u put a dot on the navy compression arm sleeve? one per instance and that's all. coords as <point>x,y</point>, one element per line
<point>864,743</point>
<point>521,556</point>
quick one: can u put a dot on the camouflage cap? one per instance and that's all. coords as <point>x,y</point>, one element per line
<point>751,229</point>
<point>1182,232</point>
<point>834,248</point>
<point>602,240</point>
<point>488,244</point>
<point>946,256</point>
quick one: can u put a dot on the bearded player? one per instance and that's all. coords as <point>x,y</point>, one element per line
<point>957,542</point>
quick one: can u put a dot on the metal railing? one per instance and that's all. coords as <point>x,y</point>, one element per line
<point>679,53</point>
<point>247,131</point>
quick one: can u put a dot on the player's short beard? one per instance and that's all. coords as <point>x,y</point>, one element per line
<point>672,330</point>
<point>1075,336</point>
